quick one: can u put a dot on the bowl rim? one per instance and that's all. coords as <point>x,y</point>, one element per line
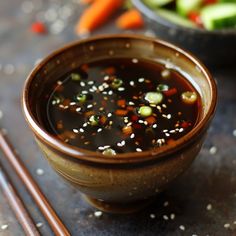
<point>130,157</point>
<point>149,13</point>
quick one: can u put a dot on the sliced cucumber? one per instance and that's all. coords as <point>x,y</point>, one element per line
<point>185,6</point>
<point>157,3</point>
<point>219,16</point>
<point>175,18</point>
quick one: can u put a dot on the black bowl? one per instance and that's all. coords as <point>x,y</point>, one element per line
<point>213,47</point>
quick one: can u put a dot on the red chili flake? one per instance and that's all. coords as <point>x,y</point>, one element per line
<point>110,70</point>
<point>184,124</point>
<point>66,102</point>
<point>137,126</point>
<point>85,67</point>
<point>38,28</point>
<point>134,118</point>
<point>195,18</point>
<point>170,92</point>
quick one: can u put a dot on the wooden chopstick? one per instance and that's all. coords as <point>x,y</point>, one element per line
<point>17,205</point>
<point>54,221</point>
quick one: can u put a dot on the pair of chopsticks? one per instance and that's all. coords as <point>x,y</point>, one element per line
<point>14,200</point>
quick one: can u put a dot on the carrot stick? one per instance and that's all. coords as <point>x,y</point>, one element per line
<point>96,15</point>
<point>131,19</point>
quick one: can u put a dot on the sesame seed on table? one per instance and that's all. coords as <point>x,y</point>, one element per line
<point>200,202</point>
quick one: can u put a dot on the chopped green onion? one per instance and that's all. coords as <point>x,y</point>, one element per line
<point>145,111</point>
<point>94,120</point>
<point>75,77</point>
<point>81,97</point>
<point>162,87</point>
<point>189,97</point>
<point>109,151</point>
<point>116,83</point>
<point>154,97</point>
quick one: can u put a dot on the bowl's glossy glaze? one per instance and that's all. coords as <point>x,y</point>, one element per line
<point>125,182</point>
<point>213,47</point>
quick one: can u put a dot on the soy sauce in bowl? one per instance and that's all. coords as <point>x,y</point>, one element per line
<point>122,105</point>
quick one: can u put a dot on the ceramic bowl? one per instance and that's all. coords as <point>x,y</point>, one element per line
<point>126,182</point>
<point>212,47</point>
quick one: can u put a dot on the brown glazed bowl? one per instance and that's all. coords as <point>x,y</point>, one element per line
<point>126,182</point>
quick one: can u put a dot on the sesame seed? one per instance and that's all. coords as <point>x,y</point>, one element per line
<point>110,92</point>
<point>165,73</point>
<point>98,214</point>
<point>78,109</point>
<point>165,130</point>
<point>3,227</point>
<point>172,216</point>
<point>154,126</point>
<point>131,83</point>
<point>72,103</point>
<point>140,121</point>
<point>209,207</point>
<point>182,227</point>
<point>123,142</point>
<point>39,224</point>
<point>166,204</point>
<point>91,82</point>
<point>39,171</point>
<point>109,114</point>
<point>227,225</point>
<point>131,103</point>
<point>164,106</point>
<point>85,124</point>
<point>181,130</point>
<point>165,217</point>
<point>132,135</point>
<point>99,130</point>
<point>106,77</point>
<point>213,150</point>
<point>59,82</point>
<point>84,92</point>
<point>167,134</point>
<point>135,60</point>
<point>152,216</point>
<point>121,89</point>
<point>81,130</point>
<point>140,80</point>
<point>168,116</point>
<point>138,149</point>
<point>75,131</point>
<point>90,106</point>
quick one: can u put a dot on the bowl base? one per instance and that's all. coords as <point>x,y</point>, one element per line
<point>118,208</point>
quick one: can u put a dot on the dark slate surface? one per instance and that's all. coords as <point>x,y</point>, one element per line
<point>210,180</point>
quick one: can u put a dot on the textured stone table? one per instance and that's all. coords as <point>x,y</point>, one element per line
<point>200,202</point>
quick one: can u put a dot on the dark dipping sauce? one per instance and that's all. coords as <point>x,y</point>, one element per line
<point>122,105</point>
